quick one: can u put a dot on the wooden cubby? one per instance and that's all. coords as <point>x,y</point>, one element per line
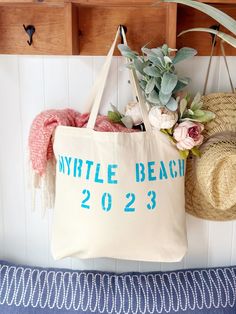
<point>87,27</point>
<point>191,18</point>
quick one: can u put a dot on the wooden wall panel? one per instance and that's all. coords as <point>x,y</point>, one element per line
<point>97,27</point>
<point>31,84</point>
<point>190,18</point>
<point>52,24</point>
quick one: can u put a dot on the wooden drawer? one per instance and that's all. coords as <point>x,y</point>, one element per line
<point>53,28</point>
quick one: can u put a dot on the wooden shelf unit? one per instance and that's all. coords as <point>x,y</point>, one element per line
<point>190,18</point>
<point>87,27</point>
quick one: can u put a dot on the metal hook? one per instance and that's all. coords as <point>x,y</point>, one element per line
<point>217,28</point>
<point>125,30</point>
<point>30,30</point>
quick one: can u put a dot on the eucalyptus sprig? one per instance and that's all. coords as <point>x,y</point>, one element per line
<point>157,74</point>
<point>117,117</point>
<point>193,111</point>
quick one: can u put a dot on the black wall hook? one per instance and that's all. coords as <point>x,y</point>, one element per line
<point>121,35</point>
<point>30,30</point>
<point>217,28</point>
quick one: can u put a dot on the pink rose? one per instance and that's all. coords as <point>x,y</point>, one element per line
<point>188,134</point>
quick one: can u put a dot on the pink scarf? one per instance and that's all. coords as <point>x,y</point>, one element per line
<point>42,160</point>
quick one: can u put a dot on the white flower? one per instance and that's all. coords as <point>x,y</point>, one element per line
<point>162,118</point>
<point>133,111</point>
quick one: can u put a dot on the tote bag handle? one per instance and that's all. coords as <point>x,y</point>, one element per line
<point>226,65</point>
<point>96,97</point>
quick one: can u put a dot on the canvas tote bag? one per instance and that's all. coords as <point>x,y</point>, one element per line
<point>118,195</point>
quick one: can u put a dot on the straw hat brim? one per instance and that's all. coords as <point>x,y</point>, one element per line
<point>224,107</point>
<point>197,204</point>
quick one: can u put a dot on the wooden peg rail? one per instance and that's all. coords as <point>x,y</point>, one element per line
<point>87,27</point>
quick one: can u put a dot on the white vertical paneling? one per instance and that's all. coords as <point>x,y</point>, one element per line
<point>56,95</point>
<point>233,245</point>
<point>2,231</point>
<point>223,75</point>
<point>198,242</point>
<point>56,82</point>
<point>220,243</point>
<point>110,94</point>
<point>11,161</point>
<point>32,102</point>
<point>190,68</point>
<point>80,81</point>
<point>35,83</point>
<point>124,90</point>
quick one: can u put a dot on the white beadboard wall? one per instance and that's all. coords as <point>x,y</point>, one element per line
<point>29,85</point>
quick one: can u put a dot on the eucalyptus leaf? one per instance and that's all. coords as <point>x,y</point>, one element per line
<point>164,49</point>
<point>154,98</point>
<point>139,65</point>
<point>152,71</point>
<point>157,51</point>
<point>143,84</point>
<point>213,12</point>
<point>164,98</point>
<point>180,85</point>
<point>162,61</point>
<point>150,85</point>
<point>199,113</point>
<point>149,52</point>
<point>155,60</point>
<point>127,52</point>
<point>128,122</point>
<point>158,83</point>
<point>196,103</point>
<point>172,104</point>
<point>226,37</point>
<point>182,106</point>
<point>184,53</point>
<point>168,83</point>
<point>208,116</point>
<point>184,80</point>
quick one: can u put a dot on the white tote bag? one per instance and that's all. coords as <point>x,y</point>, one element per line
<point>118,195</point>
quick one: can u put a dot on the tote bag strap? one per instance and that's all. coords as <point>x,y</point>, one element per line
<point>138,95</point>
<point>226,65</point>
<point>95,102</point>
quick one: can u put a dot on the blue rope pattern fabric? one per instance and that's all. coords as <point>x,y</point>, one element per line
<point>64,291</point>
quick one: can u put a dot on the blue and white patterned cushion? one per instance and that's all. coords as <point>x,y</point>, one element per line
<point>33,290</point>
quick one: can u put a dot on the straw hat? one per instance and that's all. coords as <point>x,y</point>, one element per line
<point>211,179</point>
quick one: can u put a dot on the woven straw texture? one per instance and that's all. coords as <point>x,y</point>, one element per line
<point>211,179</point>
<point>224,107</point>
